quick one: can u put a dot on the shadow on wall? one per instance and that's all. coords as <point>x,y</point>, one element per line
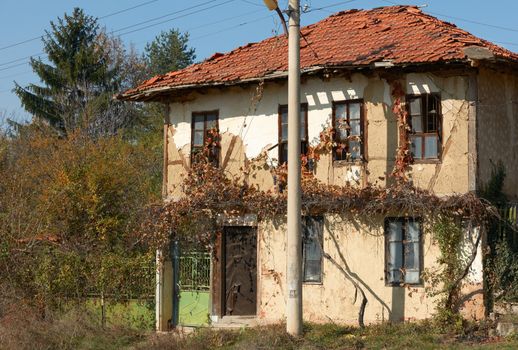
<point>396,313</point>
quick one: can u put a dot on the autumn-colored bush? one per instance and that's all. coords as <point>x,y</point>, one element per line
<point>68,212</point>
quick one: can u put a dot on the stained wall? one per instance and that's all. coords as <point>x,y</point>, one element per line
<point>248,123</point>
<point>497,127</point>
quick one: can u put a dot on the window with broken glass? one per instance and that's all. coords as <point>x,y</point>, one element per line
<point>426,121</point>
<point>403,251</point>
<point>205,136</point>
<point>312,232</point>
<point>348,130</point>
<point>283,131</point>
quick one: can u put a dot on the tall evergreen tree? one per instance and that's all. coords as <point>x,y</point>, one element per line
<point>77,74</point>
<point>169,52</point>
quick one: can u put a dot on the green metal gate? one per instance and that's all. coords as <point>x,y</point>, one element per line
<point>194,288</point>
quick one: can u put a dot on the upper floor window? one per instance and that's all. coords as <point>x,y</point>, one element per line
<point>348,130</point>
<point>426,122</point>
<point>312,232</point>
<point>283,131</point>
<point>205,137</point>
<point>403,251</point>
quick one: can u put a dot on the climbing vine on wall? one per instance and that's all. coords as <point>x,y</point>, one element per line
<point>209,191</point>
<point>403,154</point>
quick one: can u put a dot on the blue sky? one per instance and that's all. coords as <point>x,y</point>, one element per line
<point>214,26</point>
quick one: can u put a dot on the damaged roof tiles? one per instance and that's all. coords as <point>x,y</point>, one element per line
<point>403,35</point>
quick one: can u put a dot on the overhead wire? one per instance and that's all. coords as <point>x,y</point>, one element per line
<point>128,9</point>
<point>232,27</point>
<point>168,20</point>
<point>193,28</point>
<point>170,14</point>
<point>463,19</point>
<point>136,25</point>
<point>20,59</point>
<point>105,16</point>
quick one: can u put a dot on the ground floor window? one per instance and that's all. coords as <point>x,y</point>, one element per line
<point>312,231</point>
<point>403,258</point>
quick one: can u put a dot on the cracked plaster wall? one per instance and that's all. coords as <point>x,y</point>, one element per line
<point>249,129</point>
<point>362,246</point>
<point>497,127</point>
<point>254,126</point>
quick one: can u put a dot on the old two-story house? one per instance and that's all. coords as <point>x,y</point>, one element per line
<point>459,92</point>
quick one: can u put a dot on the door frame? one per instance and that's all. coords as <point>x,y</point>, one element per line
<point>219,272</point>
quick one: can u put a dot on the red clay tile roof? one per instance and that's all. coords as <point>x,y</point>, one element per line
<point>400,34</point>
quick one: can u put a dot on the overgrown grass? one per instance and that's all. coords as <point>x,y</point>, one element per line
<point>23,328</point>
<point>419,335</point>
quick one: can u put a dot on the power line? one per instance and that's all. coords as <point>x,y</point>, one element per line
<point>14,65</point>
<point>189,29</point>
<point>21,59</point>
<point>130,26</point>
<point>463,19</point>
<point>328,6</point>
<point>128,9</point>
<point>252,3</point>
<point>167,20</point>
<point>475,22</point>
<point>221,21</point>
<point>106,16</point>
<point>229,28</point>
<point>168,15</point>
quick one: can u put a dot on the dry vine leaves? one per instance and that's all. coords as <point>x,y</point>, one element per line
<point>208,191</point>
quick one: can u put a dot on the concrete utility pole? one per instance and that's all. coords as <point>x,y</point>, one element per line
<point>294,258</point>
<point>294,250</point>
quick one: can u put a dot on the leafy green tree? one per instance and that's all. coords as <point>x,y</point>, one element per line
<point>77,77</point>
<point>169,51</point>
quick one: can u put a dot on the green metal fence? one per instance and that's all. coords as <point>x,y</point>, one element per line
<point>195,272</point>
<point>194,285</point>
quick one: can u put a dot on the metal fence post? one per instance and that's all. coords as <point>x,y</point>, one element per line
<point>175,257</point>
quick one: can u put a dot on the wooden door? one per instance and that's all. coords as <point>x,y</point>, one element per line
<point>240,268</point>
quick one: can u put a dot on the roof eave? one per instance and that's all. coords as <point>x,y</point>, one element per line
<point>156,94</point>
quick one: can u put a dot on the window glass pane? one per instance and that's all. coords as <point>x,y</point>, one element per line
<point>212,121</point>
<point>284,117</point>
<point>341,128</point>
<point>303,135</point>
<point>283,153</point>
<point>412,255</point>
<point>412,277</point>
<point>415,106</point>
<point>395,256</point>
<point>416,146</point>
<point>303,147</point>
<point>312,271</point>
<point>430,146</point>
<point>433,104</point>
<point>394,276</point>
<point>412,230</point>
<point>198,137</point>
<point>417,123</point>
<point>340,152</point>
<point>284,136</point>
<point>312,248</point>
<point>355,127</point>
<point>431,122</point>
<point>355,149</point>
<point>340,111</point>
<point>199,122</point>
<point>354,111</point>
<point>395,229</point>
